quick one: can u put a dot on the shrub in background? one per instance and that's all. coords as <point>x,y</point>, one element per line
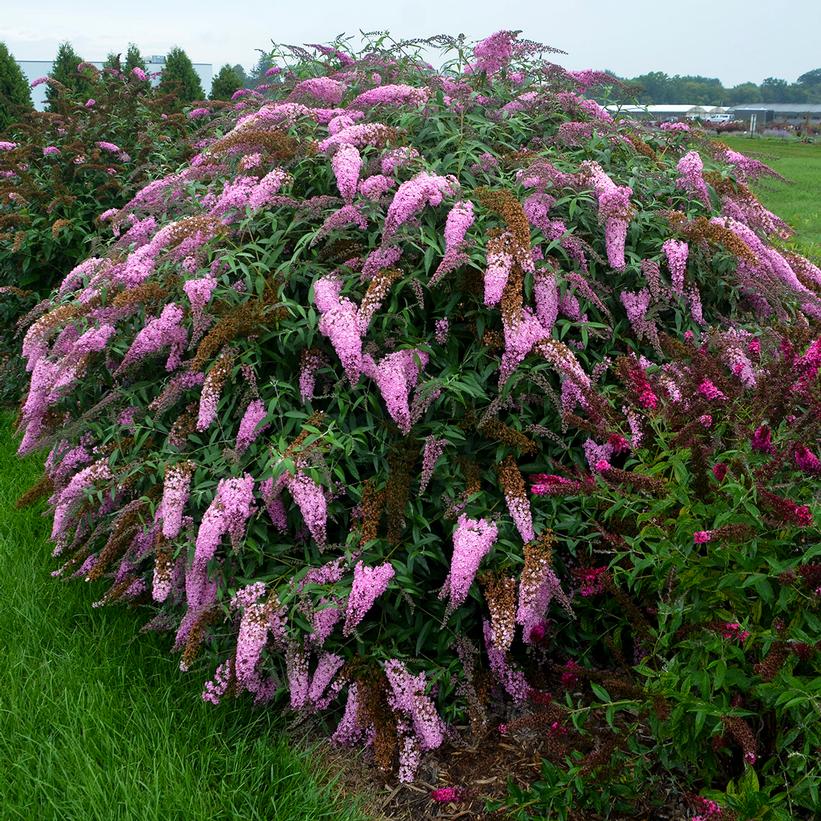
<point>70,79</point>
<point>15,96</point>
<point>291,405</point>
<point>179,79</point>
<point>227,81</point>
<point>60,170</point>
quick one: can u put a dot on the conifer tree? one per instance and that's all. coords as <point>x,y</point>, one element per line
<point>64,71</point>
<point>179,78</point>
<point>15,97</point>
<point>227,81</point>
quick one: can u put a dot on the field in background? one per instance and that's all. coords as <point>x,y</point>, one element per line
<point>798,200</point>
<point>98,723</point>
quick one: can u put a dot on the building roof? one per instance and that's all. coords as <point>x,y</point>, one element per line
<point>798,108</point>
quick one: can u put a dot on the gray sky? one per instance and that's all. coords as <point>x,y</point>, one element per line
<point>735,40</point>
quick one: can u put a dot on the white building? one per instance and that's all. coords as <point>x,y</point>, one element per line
<point>33,69</point>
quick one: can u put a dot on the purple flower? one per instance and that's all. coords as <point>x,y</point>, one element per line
<point>369,583</point>
<point>346,164</point>
<point>160,332</point>
<point>459,219</point>
<point>176,488</point>
<point>310,499</point>
<point>676,253</point>
<point>691,166</point>
<point>413,195</point>
<point>404,96</point>
<point>472,541</point>
<point>396,375</point>
<point>249,427</point>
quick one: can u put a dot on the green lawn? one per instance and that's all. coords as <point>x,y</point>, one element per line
<point>97,722</point>
<point>798,200</point>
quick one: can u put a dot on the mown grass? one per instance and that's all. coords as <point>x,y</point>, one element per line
<point>798,201</point>
<point>97,722</point>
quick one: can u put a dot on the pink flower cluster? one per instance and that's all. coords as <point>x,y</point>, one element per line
<point>176,487</point>
<point>310,499</point>
<point>369,583</point>
<point>249,426</point>
<point>396,376</point>
<point>690,167</point>
<point>434,448</point>
<point>676,252</point>
<point>459,219</point>
<point>164,331</point>
<point>346,164</point>
<point>404,96</point>
<point>339,321</point>
<point>227,513</point>
<point>324,89</point>
<point>426,730</point>
<point>472,541</point>
<point>413,195</point>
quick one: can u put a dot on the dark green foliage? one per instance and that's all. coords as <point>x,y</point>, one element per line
<point>658,87</point>
<point>64,71</point>
<point>227,81</point>
<point>179,78</point>
<point>133,58</point>
<point>257,74</point>
<point>15,96</point>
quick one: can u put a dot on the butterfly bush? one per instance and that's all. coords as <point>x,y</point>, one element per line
<point>341,359</point>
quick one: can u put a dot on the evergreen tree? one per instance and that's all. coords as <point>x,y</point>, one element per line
<point>64,71</point>
<point>257,74</point>
<point>114,61</point>
<point>15,96</point>
<point>227,81</point>
<point>133,59</point>
<point>179,78</point>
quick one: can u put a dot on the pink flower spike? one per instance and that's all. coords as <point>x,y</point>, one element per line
<point>369,583</point>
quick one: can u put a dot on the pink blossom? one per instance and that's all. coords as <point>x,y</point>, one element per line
<point>413,195</point>
<point>762,440</point>
<point>397,158</point>
<point>709,390</point>
<point>139,74</point>
<point>396,376</point>
<point>447,795</point>
<point>310,499</point>
<point>433,449</point>
<point>324,89</point>
<point>339,321</point>
<point>176,487</point>
<point>404,96</point>
<point>676,253</point>
<point>459,219</point>
<point>346,164</point>
<point>375,186</point>
<point>369,583</point>
<point>702,536</point>
<point>407,697</point>
<point>691,166</point>
<point>249,426</point>
<point>228,512</point>
<point>160,332</point>
<point>499,266</point>
<point>472,541</point>
<point>806,460</point>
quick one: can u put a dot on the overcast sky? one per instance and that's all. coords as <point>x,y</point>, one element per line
<point>735,40</point>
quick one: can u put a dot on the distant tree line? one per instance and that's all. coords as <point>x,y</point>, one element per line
<point>658,87</point>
